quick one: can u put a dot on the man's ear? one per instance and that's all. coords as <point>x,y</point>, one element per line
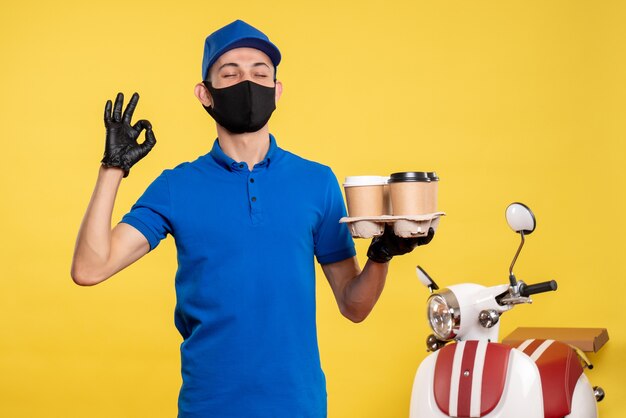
<point>279,90</point>
<point>202,93</point>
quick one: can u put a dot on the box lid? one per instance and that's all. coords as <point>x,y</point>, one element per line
<point>589,340</point>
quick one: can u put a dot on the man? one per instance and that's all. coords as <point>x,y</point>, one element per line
<point>248,219</point>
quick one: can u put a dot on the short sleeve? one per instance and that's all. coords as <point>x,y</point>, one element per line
<point>151,215</point>
<point>333,241</point>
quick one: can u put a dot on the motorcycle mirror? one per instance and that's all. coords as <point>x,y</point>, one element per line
<point>426,279</point>
<point>520,218</point>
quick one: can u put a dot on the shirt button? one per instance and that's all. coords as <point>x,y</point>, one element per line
<point>253,199</point>
<point>240,165</point>
<point>251,180</point>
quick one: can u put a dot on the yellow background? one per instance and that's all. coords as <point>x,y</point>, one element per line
<point>506,100</point>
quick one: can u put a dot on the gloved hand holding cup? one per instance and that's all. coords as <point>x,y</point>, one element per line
<point>399,212</point>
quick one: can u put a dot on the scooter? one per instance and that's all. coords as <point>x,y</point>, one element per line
<point>476,376</point>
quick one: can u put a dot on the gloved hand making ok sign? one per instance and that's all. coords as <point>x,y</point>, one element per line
<point>122,149</point>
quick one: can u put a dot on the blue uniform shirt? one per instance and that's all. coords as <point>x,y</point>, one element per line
<point>245,285</point>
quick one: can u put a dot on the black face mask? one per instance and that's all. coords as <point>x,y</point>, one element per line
<point>243,107</point>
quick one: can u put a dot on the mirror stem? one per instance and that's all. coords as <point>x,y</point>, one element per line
<point>511,275</point>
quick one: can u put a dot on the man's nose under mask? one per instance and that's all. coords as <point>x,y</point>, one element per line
<point>243,107</point>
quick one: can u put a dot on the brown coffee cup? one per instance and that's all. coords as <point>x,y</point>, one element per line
<point>413,192</point>
<point>365,195</point>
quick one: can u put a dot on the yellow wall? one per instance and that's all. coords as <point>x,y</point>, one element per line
<point>506,100</point>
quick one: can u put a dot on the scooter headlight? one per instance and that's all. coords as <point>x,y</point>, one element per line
<point>444,314</point>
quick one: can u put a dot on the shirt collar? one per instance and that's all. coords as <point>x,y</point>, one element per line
<point>225,161</point>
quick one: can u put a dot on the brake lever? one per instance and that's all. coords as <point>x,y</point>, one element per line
<point>513,297</point>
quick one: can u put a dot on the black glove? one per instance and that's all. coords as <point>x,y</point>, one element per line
<point>384,247</point>
<point>122,149</point>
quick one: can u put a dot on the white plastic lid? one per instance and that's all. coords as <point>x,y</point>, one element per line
<point>365,181</point>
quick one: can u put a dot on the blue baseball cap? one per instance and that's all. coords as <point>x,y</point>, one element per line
<point>237,34</point>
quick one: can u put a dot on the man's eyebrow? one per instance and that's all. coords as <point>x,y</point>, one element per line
<point>228,64</point>
<point>258,64</point>
<point>234,64</point>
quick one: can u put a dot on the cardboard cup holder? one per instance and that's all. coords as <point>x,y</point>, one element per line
<point>405,226</point>
<point>407,200</point>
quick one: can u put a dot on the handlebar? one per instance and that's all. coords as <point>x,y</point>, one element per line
<point>527,290</point>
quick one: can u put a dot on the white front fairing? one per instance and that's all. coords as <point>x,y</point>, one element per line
<point>584,404</point>
<point>472,299</point>
<point>521,397</point>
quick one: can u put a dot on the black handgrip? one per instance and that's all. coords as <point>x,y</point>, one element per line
<point>527,290</point>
